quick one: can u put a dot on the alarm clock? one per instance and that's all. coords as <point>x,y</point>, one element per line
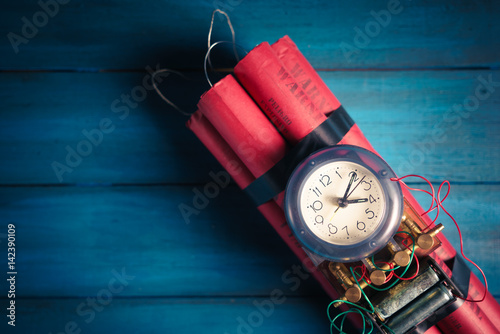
<point>341,204</point>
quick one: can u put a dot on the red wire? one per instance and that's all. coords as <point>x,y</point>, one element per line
<point>391,273</point>
<point>363,273</point>
<point>462,248</point>
<point>438,205</point>
<point>433,197</point>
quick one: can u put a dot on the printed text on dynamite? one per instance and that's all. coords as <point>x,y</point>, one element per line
<point>11,274</point>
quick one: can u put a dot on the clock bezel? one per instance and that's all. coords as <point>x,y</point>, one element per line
<point>391,191</point>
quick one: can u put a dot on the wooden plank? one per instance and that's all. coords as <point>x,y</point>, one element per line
<point>43,113</point>
<point>70,239</point>
<point>74,237</point>
<point>167,315</point>
<point>399,112</point>
<point>126,34</point>
<point>427,122</point>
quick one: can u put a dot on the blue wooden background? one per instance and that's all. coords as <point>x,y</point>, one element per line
<point>105,249</point>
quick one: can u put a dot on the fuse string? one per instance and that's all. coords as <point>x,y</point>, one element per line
<point>233,35</point>
<point>163,97</point>
<point>210,46</point>
<point>207,56</point>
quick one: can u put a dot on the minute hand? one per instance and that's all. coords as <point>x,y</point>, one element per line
<point>349,186</point>
<point>355,187</point>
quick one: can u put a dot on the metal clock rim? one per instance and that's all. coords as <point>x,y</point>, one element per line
<point>378,239</point>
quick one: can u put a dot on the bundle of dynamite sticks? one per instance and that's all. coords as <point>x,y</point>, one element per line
<point>250,120</point>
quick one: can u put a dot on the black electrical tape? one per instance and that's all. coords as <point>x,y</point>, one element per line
<point>274,181</point>
<point>461,275</point>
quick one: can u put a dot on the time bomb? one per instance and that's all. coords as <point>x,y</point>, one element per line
<point>341,203</point>
<point>339,207</point>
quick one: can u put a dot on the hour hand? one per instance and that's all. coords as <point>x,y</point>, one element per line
<point>359,200</point>
<point>353,177</point>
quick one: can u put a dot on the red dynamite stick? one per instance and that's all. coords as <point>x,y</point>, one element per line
<point>484,315</point>
<point>472,317</point>
<point>274,214</point>
<point>277,93</point>
<point>209,136</point>
<point>488,306</point>
<point>224,154</point>
<point>487,312</point>
<point>213,141</point>
<point>481,317</point>
<point>353,137</point>
<point>433,330</point>
<point>302,71</point>
<point>217,145</point>
<point>243,125</point>
<point>465,320</point>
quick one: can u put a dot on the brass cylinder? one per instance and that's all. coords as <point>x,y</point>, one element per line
<point>378,277</point>
<point>413,227</point>
<point>353,294</point>
<point>401,258</point>
<point>425,241</point>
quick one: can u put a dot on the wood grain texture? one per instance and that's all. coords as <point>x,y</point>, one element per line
<point>117,211</point>
<point>227,249</point>
<point>110,34</point>
<point>407,115</point>
<point>173,315</point>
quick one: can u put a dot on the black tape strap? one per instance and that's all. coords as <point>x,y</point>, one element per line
<point>274,181</point>
<point>461,275</point>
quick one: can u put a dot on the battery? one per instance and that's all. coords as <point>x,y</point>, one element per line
<point>423,307</point>
<point>404,293</point>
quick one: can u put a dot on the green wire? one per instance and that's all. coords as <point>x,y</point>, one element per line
<point>345,302</point>
<point>359,286</point>
<point>404,272</point>
<point>341,329</point>
<point>390,330</point>
<point>358,308</point>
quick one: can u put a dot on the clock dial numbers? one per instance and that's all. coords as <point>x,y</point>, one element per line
<point>319,219</point>
<point>360,225</point>
<point>325,180</point>
<point>317,192</point>
<point>367,185</point>
<point>342,202</point>
<point>316,206</point>
<point>332,229</point>
<point>351,180</point>
<point>370,213</point>
<point>354,176</point>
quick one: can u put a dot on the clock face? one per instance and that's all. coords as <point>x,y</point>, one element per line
<point>342,202</point>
